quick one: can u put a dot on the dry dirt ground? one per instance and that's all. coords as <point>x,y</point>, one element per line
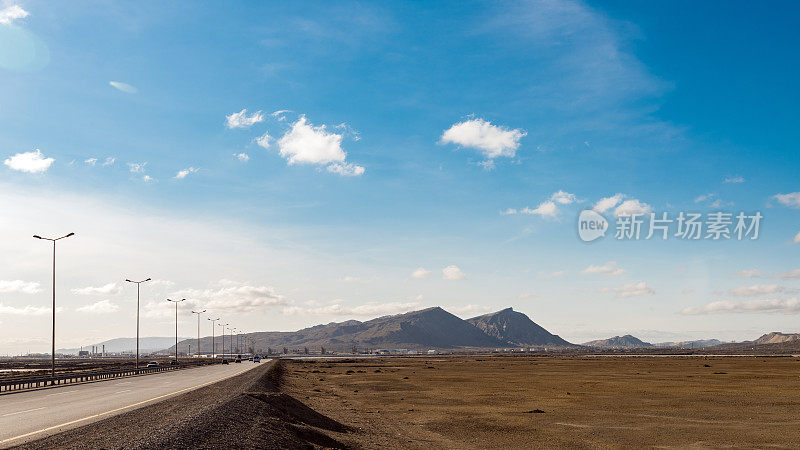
<point>517,402</point>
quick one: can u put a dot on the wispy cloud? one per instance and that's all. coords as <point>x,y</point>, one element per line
<point>107,289</point>
<point>758,290</point>
<point>124,87</point>
<point>25,287</point>
<point>99,307</point>
<point>12,13</point>
<point>761,306</point>
<point>790,275</point>
<point>609,269</point>
<point>630,290</point>
<point>749,273</point>
<point>185,172</point>
<point>735,179</point>
<point>27,310</point>
<point>548,275</point>
<point>368,309</point>
<point>242,120</point>
<point>243,157</point>
<point>792,200</point>
<point>548,208</point>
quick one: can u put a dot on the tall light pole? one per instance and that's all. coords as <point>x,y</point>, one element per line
<point>53,351</point>
<point>223,338</point>
<point>176,325</point>
<point>213,346</point>
<point>232,330</point>
<point>137,316</point>
<point>198,329</point>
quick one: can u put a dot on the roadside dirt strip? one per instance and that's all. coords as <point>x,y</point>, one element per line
<point>245,411</point>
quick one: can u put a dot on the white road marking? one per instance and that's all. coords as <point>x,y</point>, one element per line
<point>59,393</point>
<point>124,390</point>
<point>20,412</point>
<point>124,382</point>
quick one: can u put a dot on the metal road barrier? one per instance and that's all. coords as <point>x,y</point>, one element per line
<point>19,384</point>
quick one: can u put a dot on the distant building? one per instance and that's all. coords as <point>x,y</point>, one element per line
<point>433,352</point>
<point>83,353</point>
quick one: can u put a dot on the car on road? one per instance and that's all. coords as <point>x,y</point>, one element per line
<point>238,359</point>
<point>152,364</point>
<point>256,359</point>
<point>225,361</point>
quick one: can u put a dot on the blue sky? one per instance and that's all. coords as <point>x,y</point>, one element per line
<point>367,176</point>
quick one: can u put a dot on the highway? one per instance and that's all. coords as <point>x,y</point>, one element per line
<point>35,414</point>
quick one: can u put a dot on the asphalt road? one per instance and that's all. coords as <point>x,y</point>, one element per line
<point>34,414</point>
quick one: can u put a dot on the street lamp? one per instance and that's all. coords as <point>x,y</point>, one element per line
<point>137,316</point>
<point>198,329</point>
<point>176,325</point>
<point>231,330</point>
<point>223,338</point>
<point>53,351</point>
<point>213,344</point>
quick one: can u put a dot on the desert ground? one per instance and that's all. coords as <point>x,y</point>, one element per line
<point>522,401</point>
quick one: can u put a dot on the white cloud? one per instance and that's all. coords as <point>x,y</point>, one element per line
<point>630,290</point>
<point>609,269</point>
<point>604,204</point>
<point>91,161</point>
<point>124,87</point>
<point>137,167</point>
<point>243,157</point>
<point>737,179</point>
<point>792,200</point>
<point>264,140</point>
<point>346,169</point>
<point>548,275</point>
<point>468,310</point>
<point>757,290</point>
<point>30,162</point>
<point>631,207</point>
<point>231,298</point>
<point>453,273</point>
<point>11,13</point>
<point>100,307</point>
<point>493,141</point>
<point>304,143</point>
<point>27,310</point>
<point>761,306</point>
<point>749,273</point>
<point>420,273</point>
<point>790,275</point>
<point>185,172</point>
<point>371,309</point>
<point>280,114</point>
<point>109,161</point>
<point>563,198</point>
<point>148,179</point>
<point>796,239</point>
<point>25,287</point>
<point>242,120</point>
<point>108,289</point>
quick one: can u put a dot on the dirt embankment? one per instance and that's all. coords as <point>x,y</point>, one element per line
<point>247,411</point>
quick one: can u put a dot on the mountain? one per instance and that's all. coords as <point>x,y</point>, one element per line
<point>516,329</point>
<point>432,328</point>
<point>777,338</point>
<point>618,342</point>
<point>124,345</point>
<point>702,343</point>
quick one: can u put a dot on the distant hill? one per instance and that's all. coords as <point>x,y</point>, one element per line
<point>431,328</point>
<point>701,343</point>
<point>777,338</point>
<point>121,345</point>
<point>618,342</point>
<point>516,329</point>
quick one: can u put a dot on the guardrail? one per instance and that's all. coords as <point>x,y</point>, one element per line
<point>78,377</point>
